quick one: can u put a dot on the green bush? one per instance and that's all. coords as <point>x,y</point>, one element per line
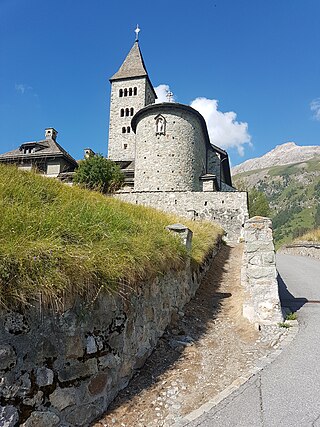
<point>100,174</point>
<point>258,204</point>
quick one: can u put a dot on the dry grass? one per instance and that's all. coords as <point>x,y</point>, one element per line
<point>311,236</point>
<point>57,241</point>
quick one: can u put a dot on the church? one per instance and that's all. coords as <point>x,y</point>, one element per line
<point>160,146</point>
<point>166,155</point>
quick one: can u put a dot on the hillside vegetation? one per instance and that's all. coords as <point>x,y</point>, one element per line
<point>56,241</point>
<point>293,192</point>
<point>312,236</point>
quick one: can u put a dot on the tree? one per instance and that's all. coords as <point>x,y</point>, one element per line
<point>100,174</point>
<point>258,203</point>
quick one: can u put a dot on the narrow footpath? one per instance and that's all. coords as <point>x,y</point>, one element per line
<point>204,350</point>
<point>286,392</point>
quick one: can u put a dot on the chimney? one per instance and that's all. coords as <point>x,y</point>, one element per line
<point>88,153</point>
<point>51,133</point>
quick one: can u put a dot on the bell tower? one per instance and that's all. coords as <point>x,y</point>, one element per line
<point>131,90</point>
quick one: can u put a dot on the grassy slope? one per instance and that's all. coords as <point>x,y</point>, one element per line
<point>56,240</point>
<point>293,193</point>
<point>312,236</point>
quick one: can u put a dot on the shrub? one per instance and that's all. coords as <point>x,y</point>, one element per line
<point>100,174</point>
<point>258,204</point>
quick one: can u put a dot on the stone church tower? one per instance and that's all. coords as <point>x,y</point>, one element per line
<point>131,90</point>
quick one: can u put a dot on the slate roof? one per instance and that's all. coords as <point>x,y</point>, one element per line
<point>132,66</point>
<point>44,148</point>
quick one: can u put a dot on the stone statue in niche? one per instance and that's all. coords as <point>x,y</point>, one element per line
<point>160,125</point>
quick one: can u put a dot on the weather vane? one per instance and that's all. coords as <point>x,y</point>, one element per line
<point>137,31</point>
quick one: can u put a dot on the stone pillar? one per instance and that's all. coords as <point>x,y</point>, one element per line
<point>183,232</point>
<point>259,275</point>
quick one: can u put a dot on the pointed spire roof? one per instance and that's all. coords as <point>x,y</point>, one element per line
<point>132,66</point>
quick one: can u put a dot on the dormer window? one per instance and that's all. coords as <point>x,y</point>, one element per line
<point>29,150</point>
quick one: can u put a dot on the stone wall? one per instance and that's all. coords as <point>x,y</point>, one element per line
<point>302,249</point>
<point>259,273</point>
<point>175,159</point>
<point>64,369</point>
<point>229,209</point>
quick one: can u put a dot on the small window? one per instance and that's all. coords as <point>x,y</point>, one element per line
<point>128,129</point>
<point>127,112</point>
<point>125,92</point>
<point>123,130</point>
<point>131,111</point>
<point>135,91</point>
<point>122,112</point>
<point>121,93</point>
<point>130,91</point>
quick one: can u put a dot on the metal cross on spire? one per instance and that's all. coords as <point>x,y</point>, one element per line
<point>137,31</point>
<point>169,96</point>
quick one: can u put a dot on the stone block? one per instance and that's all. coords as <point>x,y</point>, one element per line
<point>62,398</point>
<point>42,419</point>
<point>183,232</point>
<point>259,246</point>
<point>45,349</point>
<point>35,400</point>
<point>91,345</point>
<point>74,347</point>
<point>109,361</point>
<point>16,324</point>
<point>8,357</point>
<point>98,383</point>
<point>258,272</point>
<point>77,370</point>
<point>82,415</point>
<point>8,416</point>
<point>44,376</point>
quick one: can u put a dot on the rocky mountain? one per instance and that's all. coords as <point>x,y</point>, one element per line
<point>289,176</point>
<point>283,154</point>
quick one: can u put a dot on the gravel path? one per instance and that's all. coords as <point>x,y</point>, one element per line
<point>205,349</point>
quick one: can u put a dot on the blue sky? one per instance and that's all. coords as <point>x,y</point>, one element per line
<point>259,59</point>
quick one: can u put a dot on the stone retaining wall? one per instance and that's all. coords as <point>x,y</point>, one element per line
<point>65,369</point>
<point>302,248</point>
<point>259,274</point>
<point>228,209</point>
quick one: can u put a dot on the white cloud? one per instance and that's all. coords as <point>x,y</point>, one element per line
<point>162,91</point>
<point>22,88</point>
<point>223,128</point>
<point>315,108</point>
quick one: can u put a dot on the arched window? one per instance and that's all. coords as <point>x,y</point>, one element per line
<point>135,91</point>
<point>128,129</point>
<point>121,93</point>
<point>130,91</point>
<point>127,112</point>
<point>123,130</point>
<point>125,92</point>
<point>122,112</point>
<point>131,111</point>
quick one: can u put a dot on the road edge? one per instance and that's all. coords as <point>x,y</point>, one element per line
<point>235,385</point>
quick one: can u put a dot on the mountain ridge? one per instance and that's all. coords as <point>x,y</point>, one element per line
<point>283,154</point>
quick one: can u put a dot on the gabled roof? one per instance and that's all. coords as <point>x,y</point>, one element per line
<point>45,148</point>
<point>132,66</point>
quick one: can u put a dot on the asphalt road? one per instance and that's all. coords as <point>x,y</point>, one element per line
<point>286,392</point>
